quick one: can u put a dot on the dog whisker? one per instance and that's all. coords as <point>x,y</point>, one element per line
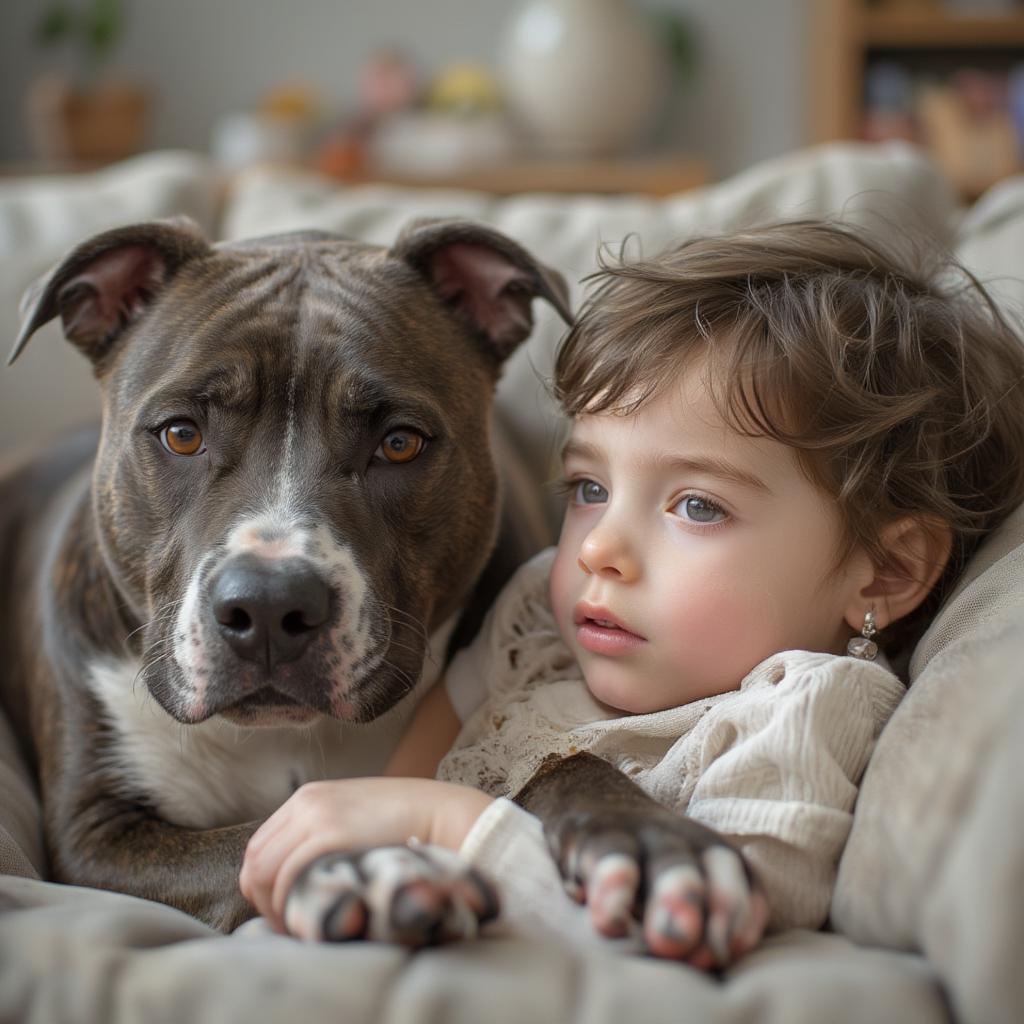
<point>405,677</point>
<point>166,611</point>
<point>410,620</point>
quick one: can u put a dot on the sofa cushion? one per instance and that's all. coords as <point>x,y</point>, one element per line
<point>936,853</point>
<point>123,960</point>
<point>991,243</point>
<point>21,838</point>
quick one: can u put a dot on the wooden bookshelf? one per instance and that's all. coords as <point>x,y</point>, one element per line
<point>937,27</point>
<point>846,35</point>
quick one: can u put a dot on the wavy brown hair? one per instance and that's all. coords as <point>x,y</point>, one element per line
<point>892,373</point>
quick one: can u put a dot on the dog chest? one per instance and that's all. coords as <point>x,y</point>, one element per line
<point>213,773</point>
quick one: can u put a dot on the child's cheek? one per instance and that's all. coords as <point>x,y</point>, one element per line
<point>718,630</point>
<point>562,591</point>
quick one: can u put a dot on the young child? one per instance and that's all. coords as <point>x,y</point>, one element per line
<point>784,446</point>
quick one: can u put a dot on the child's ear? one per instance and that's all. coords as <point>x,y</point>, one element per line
<point>917,552</point>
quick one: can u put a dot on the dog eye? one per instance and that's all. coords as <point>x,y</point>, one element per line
<point>182,437</point>
<point>401,446</point>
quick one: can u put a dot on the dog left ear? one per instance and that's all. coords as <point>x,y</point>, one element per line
<point>107,282</point>
<point>484,277</point>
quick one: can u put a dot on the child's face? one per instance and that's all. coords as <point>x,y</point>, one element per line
<point>690,553</point>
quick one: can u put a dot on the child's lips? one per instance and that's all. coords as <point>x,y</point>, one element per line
<point>601,632</point>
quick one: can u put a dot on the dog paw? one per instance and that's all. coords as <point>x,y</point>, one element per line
<point>688,891</point>
<point>415,895</point>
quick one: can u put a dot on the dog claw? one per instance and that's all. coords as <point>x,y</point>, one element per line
<point>345,921</point>
<point>414,898</point>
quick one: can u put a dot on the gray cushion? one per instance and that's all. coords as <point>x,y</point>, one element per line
<point>21,839</point>
<point>125,960</point>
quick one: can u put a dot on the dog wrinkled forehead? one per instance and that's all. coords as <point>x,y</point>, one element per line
<point>344,322</point>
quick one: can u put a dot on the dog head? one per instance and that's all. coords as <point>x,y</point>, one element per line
<point>294,483</point>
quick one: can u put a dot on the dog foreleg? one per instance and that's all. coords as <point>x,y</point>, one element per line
<point>112,843</point>
<point>631,859</point>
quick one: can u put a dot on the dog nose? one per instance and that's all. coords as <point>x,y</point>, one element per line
<point>268,612</point>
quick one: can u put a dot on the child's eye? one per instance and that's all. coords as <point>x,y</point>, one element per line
<point>589,492</point>
<point>699,510</point>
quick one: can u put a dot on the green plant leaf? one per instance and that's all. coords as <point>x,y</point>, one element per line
<point>680,42</point>
<point>56,24</point>
<point>104,27</point>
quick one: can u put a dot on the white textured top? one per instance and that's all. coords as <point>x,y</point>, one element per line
<point>774,765</point>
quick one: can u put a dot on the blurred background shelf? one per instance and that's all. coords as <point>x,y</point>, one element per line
<point>952,81</point>
<point>334,87</point>
<point>652,176</point>
<point>929,26</point>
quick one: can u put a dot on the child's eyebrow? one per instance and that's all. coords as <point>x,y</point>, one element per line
<point>706,465</point>
<point>580,450</point>
<point>715,467</point>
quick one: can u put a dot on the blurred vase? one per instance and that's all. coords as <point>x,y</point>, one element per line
<point>584,77</point>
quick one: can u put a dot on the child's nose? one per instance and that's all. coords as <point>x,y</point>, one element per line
<point>608,552</point>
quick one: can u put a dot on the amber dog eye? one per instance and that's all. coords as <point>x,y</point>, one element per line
<point>182,437</point>
<point>401,446</point>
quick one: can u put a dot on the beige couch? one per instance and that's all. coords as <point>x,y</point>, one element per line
<point>928,915</point>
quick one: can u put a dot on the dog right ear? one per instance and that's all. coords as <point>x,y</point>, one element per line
<point>107,282</point>
<point>483,277</point>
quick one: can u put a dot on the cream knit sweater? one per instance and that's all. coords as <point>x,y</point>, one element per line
<point>774,765</point>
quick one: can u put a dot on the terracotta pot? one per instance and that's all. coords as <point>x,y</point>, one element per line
<point>106,122</point>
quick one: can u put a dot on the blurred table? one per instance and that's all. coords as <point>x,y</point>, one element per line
<point>653,176</point>
<point>660,175</point>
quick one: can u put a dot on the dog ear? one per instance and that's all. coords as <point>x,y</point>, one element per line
<point>107,282</point>
<point>484,277</point>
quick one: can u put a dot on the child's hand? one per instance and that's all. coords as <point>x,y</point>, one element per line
<point>351,815</point>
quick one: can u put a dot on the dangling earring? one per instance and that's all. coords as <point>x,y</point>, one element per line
<point>863,646</point>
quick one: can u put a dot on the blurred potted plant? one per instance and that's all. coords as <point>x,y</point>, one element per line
<point>94,117</point>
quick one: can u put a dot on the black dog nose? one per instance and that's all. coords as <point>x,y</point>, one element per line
<point>269,611</point>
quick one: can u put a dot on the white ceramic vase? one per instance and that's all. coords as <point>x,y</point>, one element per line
<point>584,78</point>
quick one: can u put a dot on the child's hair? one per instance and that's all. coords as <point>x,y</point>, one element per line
<point>896,379</point>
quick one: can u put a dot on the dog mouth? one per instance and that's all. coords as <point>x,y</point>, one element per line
<point>267,706</point>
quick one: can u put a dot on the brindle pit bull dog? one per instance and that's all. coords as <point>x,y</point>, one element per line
<point>292,497</point>
<point>251,580</point>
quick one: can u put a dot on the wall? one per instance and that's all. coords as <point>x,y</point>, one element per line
<point>205,57</point>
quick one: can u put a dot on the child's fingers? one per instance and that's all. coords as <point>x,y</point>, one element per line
<point>306,802</point>
<point>263,861</point>
<point>269,828</point>
<point>308,811</point>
